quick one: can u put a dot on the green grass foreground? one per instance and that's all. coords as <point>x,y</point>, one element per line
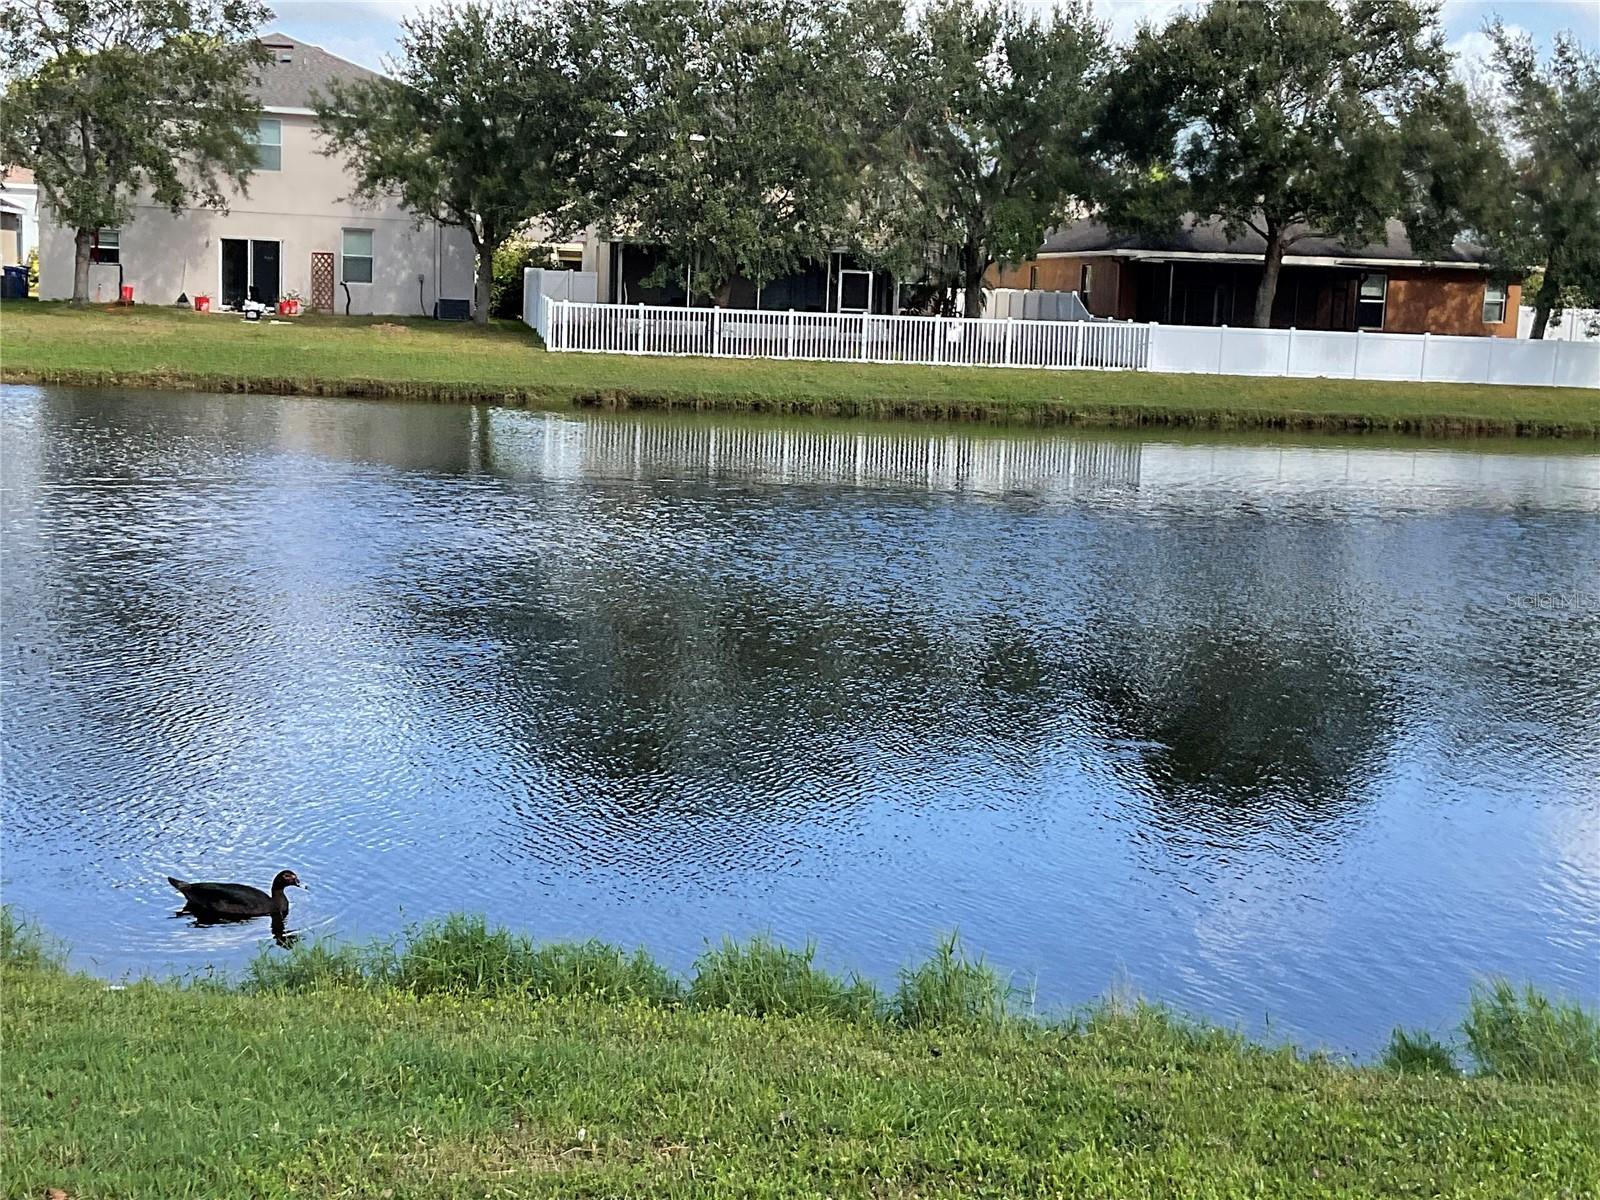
<point>473,1062</point>
<point>504,364</point>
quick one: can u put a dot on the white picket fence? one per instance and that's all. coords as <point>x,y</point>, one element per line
<point>842,337</point>
<point>1059,345</point>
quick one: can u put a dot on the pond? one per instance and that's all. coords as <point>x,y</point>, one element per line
<point>1300,737</point>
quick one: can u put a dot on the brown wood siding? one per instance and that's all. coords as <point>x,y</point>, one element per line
<point>1423,300</point>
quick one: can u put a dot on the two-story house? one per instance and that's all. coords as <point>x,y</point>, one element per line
<point>292,230</point>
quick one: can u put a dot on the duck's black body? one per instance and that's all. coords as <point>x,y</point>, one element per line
<point>236,901</point>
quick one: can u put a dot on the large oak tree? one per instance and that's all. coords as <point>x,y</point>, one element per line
<point>1549,215</point>
<point>110,101</point>
<point>495,117</point>
<point>1288,118</point>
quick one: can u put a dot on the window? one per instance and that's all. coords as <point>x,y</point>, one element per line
<point>355,257</point>
<point>107,247</point>
<point>269,144</point>
<point>1370,301</point>
<point>1494,303</point>
<point>1085,284</point>
<point>1033,278</point>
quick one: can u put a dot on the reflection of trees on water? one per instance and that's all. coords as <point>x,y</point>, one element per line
<point>1230,728</point>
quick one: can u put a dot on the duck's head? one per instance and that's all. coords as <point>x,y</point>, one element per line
<point>286,879</point>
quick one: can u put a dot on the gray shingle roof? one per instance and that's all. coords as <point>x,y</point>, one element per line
<point>290,84</point>
<point>1207,237</point>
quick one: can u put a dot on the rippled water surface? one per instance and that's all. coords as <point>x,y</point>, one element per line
<point>1300,737</point>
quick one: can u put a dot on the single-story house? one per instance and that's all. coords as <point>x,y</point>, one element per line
<point>293,230</point>
<point>1198,275</point>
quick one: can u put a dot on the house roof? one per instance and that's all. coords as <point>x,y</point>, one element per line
<point>1207,239</point>
<point>298,69</point>
<point>15,176</point>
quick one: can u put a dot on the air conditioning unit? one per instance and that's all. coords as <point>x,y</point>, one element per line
<point>452,310</point>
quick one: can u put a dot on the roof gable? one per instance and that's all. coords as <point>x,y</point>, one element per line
<point>297,70</point>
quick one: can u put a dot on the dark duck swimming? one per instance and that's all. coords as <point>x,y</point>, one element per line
<point>237,901</point>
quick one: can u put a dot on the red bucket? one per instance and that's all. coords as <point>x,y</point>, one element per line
<point>127,293</point>
<point>202,304</point>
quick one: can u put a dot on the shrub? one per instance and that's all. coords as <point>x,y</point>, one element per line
<point>505,292</point>
<point>1529,1037</point>
<point>950,989</point>
<point>762,978</point>
<point>1418,1052</point>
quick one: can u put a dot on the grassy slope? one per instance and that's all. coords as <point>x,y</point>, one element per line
<point>339,356</point>
<point>161,1091</point>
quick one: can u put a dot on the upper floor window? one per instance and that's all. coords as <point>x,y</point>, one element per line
<point>107,247</point>
<point>355,256</point>
<point>1494,303</point>
<point>1371,300</point>
<point>269,144</point>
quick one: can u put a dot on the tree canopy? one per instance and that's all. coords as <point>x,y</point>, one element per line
<point>1549,214</point>
<point>740,138</point>
<point>1288,118</point>
<point>491,120</point>
<point>996,142</point>
<point>108,101</point>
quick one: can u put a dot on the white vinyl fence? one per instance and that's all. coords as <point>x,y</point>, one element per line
<point>1428,357</point>
<point>843,337</point>
<point>1058,345</point>
<point>1576,325</point>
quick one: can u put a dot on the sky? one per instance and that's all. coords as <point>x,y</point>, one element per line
<point>364,31</point>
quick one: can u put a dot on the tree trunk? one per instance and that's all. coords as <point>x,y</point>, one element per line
<point>83,244</point>
<point>1267,291</point>
<point>972,269</point>
<point>1544,303</point>
<point>485,290</point>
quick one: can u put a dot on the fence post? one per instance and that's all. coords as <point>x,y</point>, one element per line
<point>1288,354</point>
<point>1010,329</point>
<point>1488,368</point>
<point>1422,367</point>
<point>791,333</point>
<point>1355,367</point>
<point>638,344</point>
<point>864,320</point>
<point>1222,346</point>
<point>545,321</point>
<point>716,332</point>
<point>1555,362</point>
<point>938,339</point>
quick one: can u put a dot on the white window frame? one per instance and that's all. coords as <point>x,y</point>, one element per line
<point>1490,299</point>
<point>101,245</point>
<point>839,285</point>
<point>262,144</point>
<point>371,256</point>
<point>1382,301</point>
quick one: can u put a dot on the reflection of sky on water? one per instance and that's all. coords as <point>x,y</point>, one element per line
<point>1295,734</point>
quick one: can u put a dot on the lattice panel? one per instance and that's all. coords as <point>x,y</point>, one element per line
<point>322,280</point>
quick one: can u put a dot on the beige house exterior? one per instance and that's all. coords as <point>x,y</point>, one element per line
<point>292,231</point>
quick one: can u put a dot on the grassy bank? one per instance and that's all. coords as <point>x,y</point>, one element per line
<point>503,364</point>
<point>473,1063</point>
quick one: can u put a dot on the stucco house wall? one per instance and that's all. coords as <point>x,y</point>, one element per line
<point>303,206</point>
